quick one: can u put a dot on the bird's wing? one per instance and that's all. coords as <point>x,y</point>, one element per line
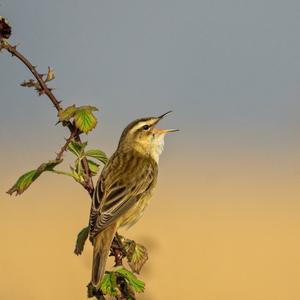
<point>121,184</point>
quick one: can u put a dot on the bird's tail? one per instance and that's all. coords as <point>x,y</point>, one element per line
<point>102,243</point>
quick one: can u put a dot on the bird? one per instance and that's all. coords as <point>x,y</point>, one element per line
<point>124,187</point>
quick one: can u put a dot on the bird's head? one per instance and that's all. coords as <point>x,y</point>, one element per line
<point>143,136</point>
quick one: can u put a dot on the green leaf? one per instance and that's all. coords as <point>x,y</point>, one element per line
<point>137,255</point>
<point>98,154</point>
<point>94,167</point>
<point>85,120</point>
<point>81,239</point>
<point>23,182</point>
<point>109,284</point>
<point>67,114</point>
<point>135,283</point>
<point>28,178</point>
<point>77,148</point>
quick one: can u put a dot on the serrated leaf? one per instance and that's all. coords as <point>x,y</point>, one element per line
<point>94,167</point>
<point>85,120</point>
<point>135,283</point>
<point>137,255</point>
<point>67,114</point>
<point>81,239</point>
<point>98,154</point>
<point>76,148</point>
<point>109,284</point>
<point>28,178</point>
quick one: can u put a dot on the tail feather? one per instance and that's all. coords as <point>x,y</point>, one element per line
<point>102,243</point>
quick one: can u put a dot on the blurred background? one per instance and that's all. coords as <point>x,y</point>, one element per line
<point>224,223</point>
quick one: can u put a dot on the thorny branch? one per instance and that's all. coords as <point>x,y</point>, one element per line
<point>65,146</point>
<point>88,184</point>
<point>14,52</point>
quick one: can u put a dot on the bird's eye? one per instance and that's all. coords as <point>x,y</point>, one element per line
<point>146,127</point>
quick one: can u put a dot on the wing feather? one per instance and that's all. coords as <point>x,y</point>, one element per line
<point>121,184</point>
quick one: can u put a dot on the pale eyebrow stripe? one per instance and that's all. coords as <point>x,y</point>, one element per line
<point>140,125</point>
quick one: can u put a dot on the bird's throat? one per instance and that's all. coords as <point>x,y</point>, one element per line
<point>152,149</point>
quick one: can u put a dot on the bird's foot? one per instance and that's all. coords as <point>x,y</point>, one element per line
<point>93,292</point>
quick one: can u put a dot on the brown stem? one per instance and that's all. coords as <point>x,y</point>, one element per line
<point>118,250</point>
<point>14,52</point>
<point>65,146</point>
<point>88,185</point>
<point>118,254</point>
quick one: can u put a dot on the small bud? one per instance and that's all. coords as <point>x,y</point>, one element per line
<point>50,74</point>
<point>5,28</point>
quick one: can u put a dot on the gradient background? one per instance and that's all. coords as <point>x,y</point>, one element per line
<point>224,223</point>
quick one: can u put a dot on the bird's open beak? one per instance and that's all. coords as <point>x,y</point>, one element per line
<point>164,131</point>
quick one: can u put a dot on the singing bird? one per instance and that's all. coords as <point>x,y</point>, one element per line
<point>124,187</point>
